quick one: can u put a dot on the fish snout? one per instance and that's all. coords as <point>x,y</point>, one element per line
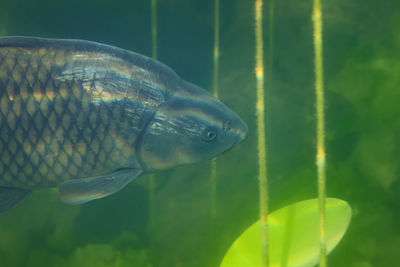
<point>239,129</point>
<point>242,131</point>
<point>239,134</point>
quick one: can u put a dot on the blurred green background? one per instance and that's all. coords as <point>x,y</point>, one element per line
<point>362,79</point>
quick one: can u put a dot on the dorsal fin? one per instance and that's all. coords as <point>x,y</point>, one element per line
<point>91,47</point>
<point>69,44</point>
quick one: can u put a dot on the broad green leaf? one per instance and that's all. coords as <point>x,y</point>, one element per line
<point>294,235</point>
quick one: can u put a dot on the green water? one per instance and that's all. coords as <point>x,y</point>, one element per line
<point>362,76</point>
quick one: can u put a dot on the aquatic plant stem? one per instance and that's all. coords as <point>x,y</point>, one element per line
<point>213,189</point>
<point>154,55</point>
<point>270,44</point>
<point>216,49</point>
<point>154,28</point>
<point>151,201</point>
<point>263,182</point>
<point>320,157</point>
<point>215,93</point>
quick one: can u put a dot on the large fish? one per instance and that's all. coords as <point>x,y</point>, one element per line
<point>89,117</point>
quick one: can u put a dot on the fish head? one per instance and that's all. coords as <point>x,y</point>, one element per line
<point>189,127</point>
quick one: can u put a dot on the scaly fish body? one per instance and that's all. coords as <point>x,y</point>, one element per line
<point>64,114</point>
<point>89,117</point>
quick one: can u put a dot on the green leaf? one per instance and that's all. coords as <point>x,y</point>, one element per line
<point>294,235</point>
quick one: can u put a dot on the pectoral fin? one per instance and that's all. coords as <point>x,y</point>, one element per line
<point>11,196</point>
<point>79,191</point>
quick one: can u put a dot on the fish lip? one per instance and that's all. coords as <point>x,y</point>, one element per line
<point>244,137</point>
<point>242,132</point>
<point>227,150</point>
<point>233,147</point>
<point>241,139</point>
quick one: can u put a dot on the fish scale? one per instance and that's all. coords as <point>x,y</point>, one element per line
<point>50,130</point>
<point>89,118</point>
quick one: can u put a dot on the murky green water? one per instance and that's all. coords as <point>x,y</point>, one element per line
<point>361,53</point>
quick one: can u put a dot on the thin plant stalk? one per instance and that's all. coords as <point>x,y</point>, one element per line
<point>270,43</point>
<point>215,93</point>
<point>213,189</point>
<point>263,182</point>
<point>154,28</point>
<point>154,55</point>
<point>320,155</point>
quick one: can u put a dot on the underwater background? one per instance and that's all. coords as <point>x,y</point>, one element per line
<point>362,81</point>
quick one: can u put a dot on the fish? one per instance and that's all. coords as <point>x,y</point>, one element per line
<point>88,118</point>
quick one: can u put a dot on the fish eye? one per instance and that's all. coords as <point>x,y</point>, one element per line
<point>209,134</point>
<point>226,126</point>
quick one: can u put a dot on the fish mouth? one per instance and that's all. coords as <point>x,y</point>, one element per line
<point>240,136</point>
<point>234,146</point>
<point>241,131</point>
<point>229,149</point>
